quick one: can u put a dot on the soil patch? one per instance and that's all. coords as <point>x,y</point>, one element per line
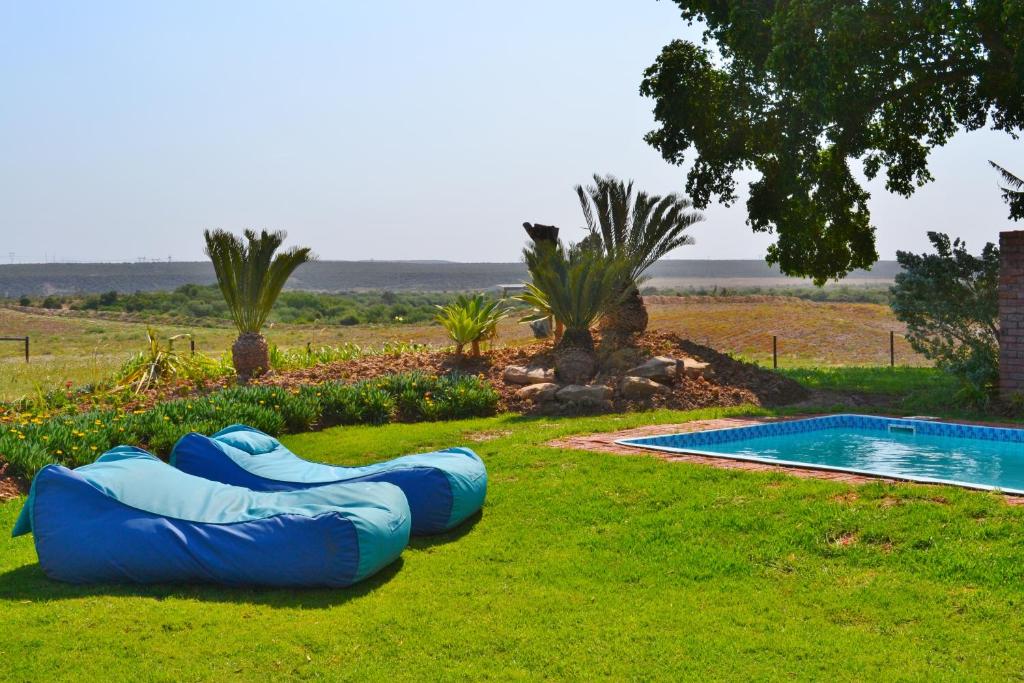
<point>10,487</point>
<point>729,383</point>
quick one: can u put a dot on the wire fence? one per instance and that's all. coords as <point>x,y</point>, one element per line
<point>891,349</point>
<point>20,340</point>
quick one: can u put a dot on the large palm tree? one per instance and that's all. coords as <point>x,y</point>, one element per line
<point>638,228</point>
<point>1013,192</point>
<point>251,277</point>
<point>575,286</point>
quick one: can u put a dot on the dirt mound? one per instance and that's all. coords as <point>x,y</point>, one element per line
<point>730,382</point>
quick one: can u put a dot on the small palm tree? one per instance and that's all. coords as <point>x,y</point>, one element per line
<point>575,286</point>
<point>639,229</point>
<point>471,320</point>
<point>251,278</point>
<point>1013,193</point>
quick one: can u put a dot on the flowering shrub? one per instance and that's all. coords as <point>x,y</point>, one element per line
<point>29,441</point>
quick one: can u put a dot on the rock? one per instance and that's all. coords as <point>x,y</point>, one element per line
<point>540,375</point>
<point>539,393</point>
<point>516,374</point>
<point>693,368</point>
<point>640,388</point>
<point>590,394</point>
<point>660,368</point>
<point>619,360</point>
<point>519,374</point>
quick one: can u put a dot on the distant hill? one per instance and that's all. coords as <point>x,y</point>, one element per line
<point>347,276</point>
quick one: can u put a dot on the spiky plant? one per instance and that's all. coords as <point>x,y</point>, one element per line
<point>1013,192</point>
<point>574,286</point>
<point>251,277</point>
<point>161,363</point>
<point>471,320</point>
<point>638,228</point>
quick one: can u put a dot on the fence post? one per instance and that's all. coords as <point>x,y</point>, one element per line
<point>26,349</point>
<point>892,349</point>
<point>775,352</point>
<point>192,345</point>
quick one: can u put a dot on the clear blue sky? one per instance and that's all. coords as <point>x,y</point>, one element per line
<point>402,129</point>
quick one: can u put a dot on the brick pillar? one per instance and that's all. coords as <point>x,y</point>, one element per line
<point>1011,313</point>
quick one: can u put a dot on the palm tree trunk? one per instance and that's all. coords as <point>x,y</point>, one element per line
<point>250,355</point>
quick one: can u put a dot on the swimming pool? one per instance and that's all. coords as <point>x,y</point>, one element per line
<point>915,450</point>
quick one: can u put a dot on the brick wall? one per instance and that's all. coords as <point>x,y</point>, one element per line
<point>1011,313</point>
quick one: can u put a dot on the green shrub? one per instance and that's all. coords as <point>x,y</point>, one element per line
<point>949,301</point>
<point>376,406</point>
<point>28,442</point>
<point>206,302</point>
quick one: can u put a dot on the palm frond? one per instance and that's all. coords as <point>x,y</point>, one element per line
<point>471,319</point>
<point>638,228</point>
<point>249,274</point>
<point>575,286</point>
<point>1015,183</point>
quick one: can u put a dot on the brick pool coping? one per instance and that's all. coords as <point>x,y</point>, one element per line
<point>605,443</point>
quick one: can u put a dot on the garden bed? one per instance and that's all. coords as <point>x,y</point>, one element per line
<point>405,387</point>
<point>729,382</point>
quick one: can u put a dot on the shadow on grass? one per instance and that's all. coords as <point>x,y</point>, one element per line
<point>425,542</point>
<point>29,583</point>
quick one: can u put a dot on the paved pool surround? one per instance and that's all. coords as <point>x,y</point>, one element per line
<point>607,443</point>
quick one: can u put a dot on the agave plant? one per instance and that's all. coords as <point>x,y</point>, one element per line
<point>639,229</point>
<point>161,363</point>
<point>251,277</point>
<point>471,320</point>
<point>575,286</point>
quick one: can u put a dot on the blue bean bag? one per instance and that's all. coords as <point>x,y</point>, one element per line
<point>129,517</point>
<point>443,487</point>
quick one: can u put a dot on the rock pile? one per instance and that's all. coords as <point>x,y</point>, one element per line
<point>653,377</point>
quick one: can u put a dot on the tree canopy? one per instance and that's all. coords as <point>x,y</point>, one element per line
<point>798,89</point>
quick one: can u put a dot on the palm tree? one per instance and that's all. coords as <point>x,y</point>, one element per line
<point>639,229</point>
<point>250,278</point>
<point>575,286</point>
<point>1013,194</point>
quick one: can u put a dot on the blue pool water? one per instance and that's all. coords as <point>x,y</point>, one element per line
<point>918,450</point>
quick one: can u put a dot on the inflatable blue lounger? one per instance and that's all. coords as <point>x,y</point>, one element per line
<point>443,488</point>
<point>131,517</point>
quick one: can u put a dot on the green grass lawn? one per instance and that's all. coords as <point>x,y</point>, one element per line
<point>583,566</point>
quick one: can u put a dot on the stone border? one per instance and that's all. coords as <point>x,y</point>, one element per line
<point>605,443</point>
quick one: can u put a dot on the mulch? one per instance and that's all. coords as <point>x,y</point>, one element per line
<point>10,486</point>
<point>730,382</point>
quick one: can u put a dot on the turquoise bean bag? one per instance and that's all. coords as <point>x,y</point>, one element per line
<point>130,517</point>
<point>443,488</point>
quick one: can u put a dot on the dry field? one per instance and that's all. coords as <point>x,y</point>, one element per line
<point>84,349</point>
<point>809,333</point>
